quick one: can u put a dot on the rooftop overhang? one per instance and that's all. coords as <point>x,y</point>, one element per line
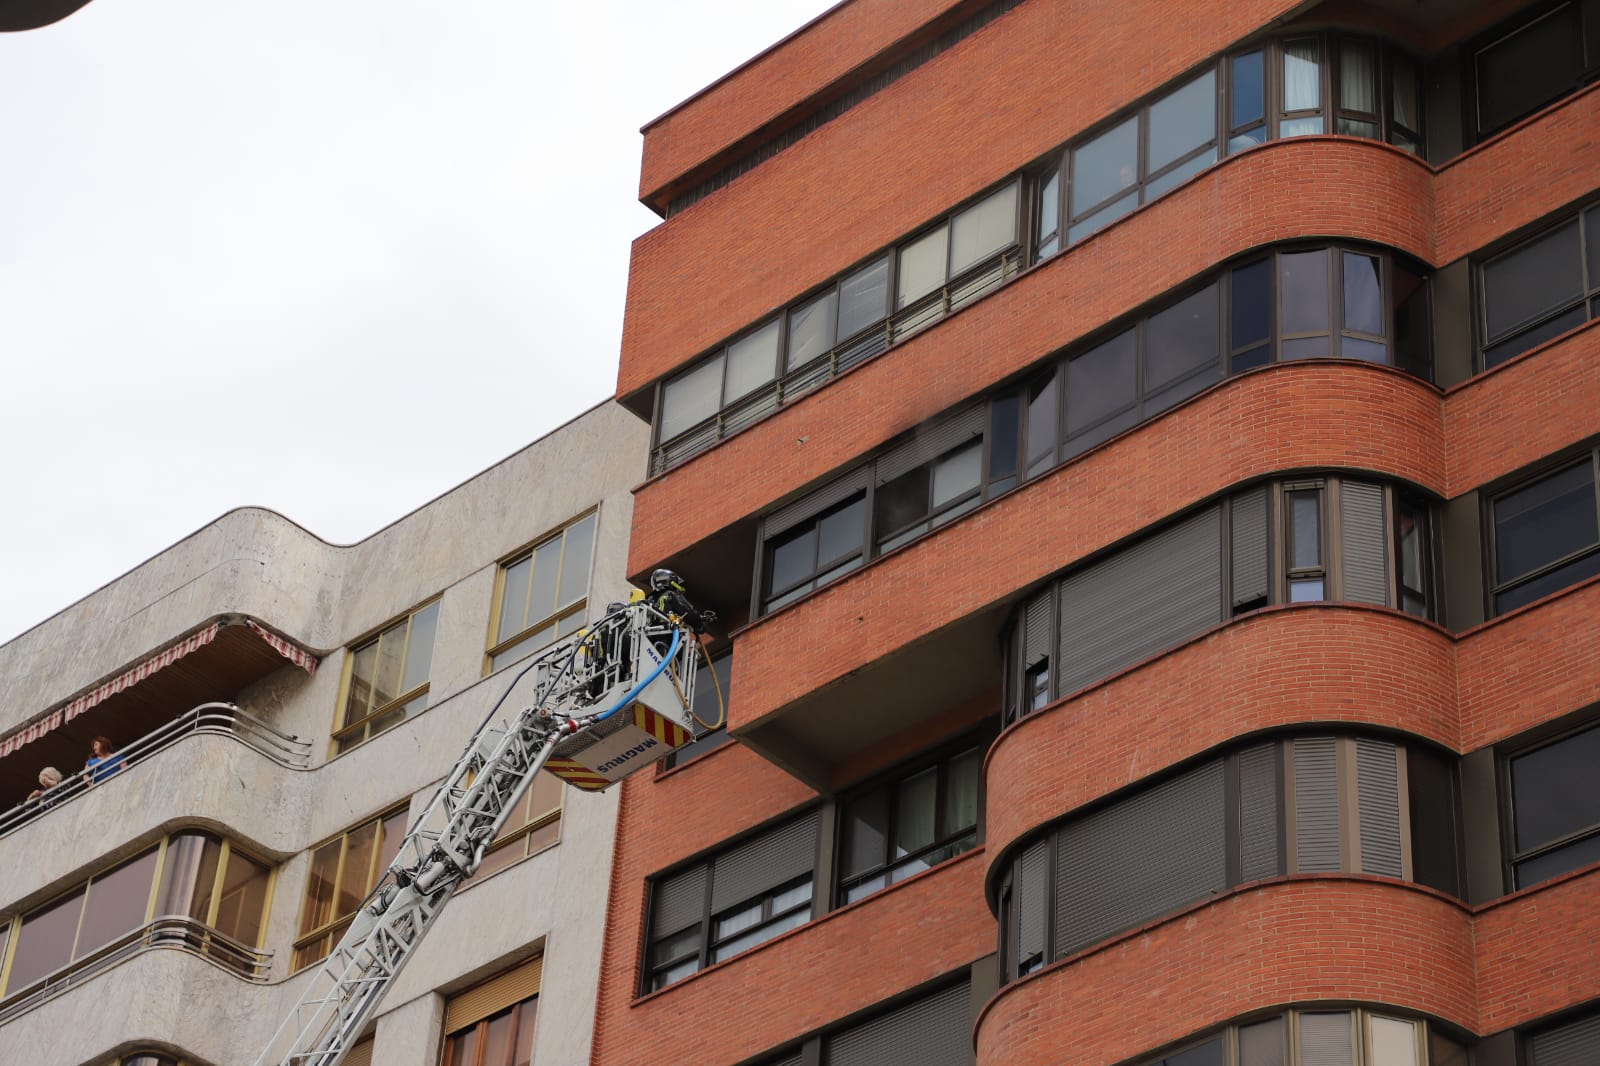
<point>211,663</point>
<point>31,14</point>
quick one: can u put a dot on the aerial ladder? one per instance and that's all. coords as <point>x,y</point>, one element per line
<point>606,702</point>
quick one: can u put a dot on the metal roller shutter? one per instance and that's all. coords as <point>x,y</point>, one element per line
<point>1316,804</point>
<point>1249,547</point>
<point>1575,1044</point>
<point>1363,541</point>
<point>1036,630</point>
<point>1378,796</point>
<point>1326,1040</point>
<point>809,506</point>
<point>360,1055</point>
<point>927,444</point>
<point>1031,900</point>
<point>679,901</point>
<point>935,1030</point>
<point>1140,858</point>
<point>1258,812</point>
<point>763,863</point>
<point>494,995</point>
<point>1141,600</point>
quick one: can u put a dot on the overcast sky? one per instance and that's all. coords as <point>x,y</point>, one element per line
<point>331,257</point>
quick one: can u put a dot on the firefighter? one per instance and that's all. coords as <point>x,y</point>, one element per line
<point>667,596</point>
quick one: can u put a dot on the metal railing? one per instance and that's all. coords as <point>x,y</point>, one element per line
<point>182,934</point>
<point>954,295</point>
<point>223,719</point>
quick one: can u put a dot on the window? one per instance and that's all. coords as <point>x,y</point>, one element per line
<point>1543,287</point>
<point>386,678</point>
<point>734,900</point>
<point>1532,60</point>
<point>1305,804</point>
<point>540,595</point>
<point>192,889</point>
<point>343,871</point>
<point>932,1029</point>
<point>711,686</point>
<point>1569,1043</point>
<point>1323,1038</point>
<point>910,824</point>
<point>1555,808</point>
<point>853,318</point>
<point>1545,535</point>
<point>815,552</point>
<point>493,1024</point>
<point>533,825</point>
<point>1266,544</point>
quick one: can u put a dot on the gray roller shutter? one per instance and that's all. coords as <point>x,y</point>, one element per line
<point>1036,630</point>
<point>1574,1044</point>
<point>1141,600</point>
<point>1030,895</point>
<point>1326,1040</point>
<point>763,863</point>
<point>1258,812</point>
<point>1316,804</point>
<point>794,1058</point>
<point>930,442</point>
<point>1141,858</point>
<point>1250,547</point>
<point>935,1030</point>
<point>680,901</point>
<point>815,503</point>
<point>1378,796</point>
<point>1363,542</point>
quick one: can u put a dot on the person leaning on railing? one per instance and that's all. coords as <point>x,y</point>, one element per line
<point>103,760</point>
<point>49,778</point>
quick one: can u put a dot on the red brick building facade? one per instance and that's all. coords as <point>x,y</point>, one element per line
<point>1144,457</point>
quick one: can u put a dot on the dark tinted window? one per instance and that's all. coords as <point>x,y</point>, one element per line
<point>1101,382</point>
<point>901,502</point>
<point>1042,421</point>
<point>1528,67</point>
<point>793,558</point>
<point>1181,339</point>
<point>1528,282</point>
<point>1003,431</point>
<point>1304,293</point>
<point>1249,87</point>
<point>1554,794</point>
<point>1206,1054</point>
<point>1251,320</point>
<point>1537,526</point>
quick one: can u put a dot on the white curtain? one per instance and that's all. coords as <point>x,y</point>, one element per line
<point>1358,78</point>
<point>1302,75</point>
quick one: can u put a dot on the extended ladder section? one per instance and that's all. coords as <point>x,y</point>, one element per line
<point>607,702</point>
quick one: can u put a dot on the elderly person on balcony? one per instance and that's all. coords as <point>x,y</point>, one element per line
<point>103,760</point>
<point>49,778</point>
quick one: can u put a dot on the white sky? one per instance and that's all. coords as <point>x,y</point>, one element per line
<point>331,257</point>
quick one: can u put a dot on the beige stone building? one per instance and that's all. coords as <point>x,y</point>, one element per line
<point>278,708</point>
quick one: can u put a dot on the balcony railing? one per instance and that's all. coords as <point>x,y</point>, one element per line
<point>214,718</point>
<point>954,295</point>
<point>182,934</point>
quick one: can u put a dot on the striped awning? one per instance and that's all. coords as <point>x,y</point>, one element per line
<point>59,716</point>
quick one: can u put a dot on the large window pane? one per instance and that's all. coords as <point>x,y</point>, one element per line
<point>45,943</point>
<point>863,298</point>
<point>1049,235</point>
<point>983,229</point>
<point>243,900</point>
<point>318,909</point>
<point>752,361</point>
<point>961,791</point>
<point>358,857</point>
<point>921,267</point>
<point>811,330</point>
<point>914,813</point>
<point>1544,522</point>
<point>1183,121</point>
<point>1250,298</point>
<point>957,473</point>
<point>690,398</point>
<point>575,554</point>
<point>1306,537</point>
<point>419,647</point>
<point>1358,78</point>
<point>866,833</point>
<point>1003,415</point>
<point>1179,174</point>
<point>1394,1042</point>
<point>546,580</point>
<point>1528,67</point>
<point>1363,294</point>
<point>1248,98</point>
<point>1105,165</point>
<point>1532,280</point>
<point>1554,791</point>
<point>902,501</point>
<point>839,534</point>
<point>1101,382</point>
<point>1303,292</point>
<point>1302,76</point>
<point>1262,1044</point>
<point>1181,339</point>
<point>1209,1053</point>
<point>1042,416</point>
<point>117,903</point>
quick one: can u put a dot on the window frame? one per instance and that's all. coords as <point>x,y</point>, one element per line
<point>1361,1017</point>
<point>348,734</point>
<point>939,759</point>
<point>1501,32</point>
<point>769,597</point>
<point>574,612</point>
<point>334,927</point>
<point>1585,217</point>
<point>1495,585</point>
<point>480,1029</point>
<point>1508,810</point>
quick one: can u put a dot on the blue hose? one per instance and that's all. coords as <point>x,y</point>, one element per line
<point>677,641</point>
